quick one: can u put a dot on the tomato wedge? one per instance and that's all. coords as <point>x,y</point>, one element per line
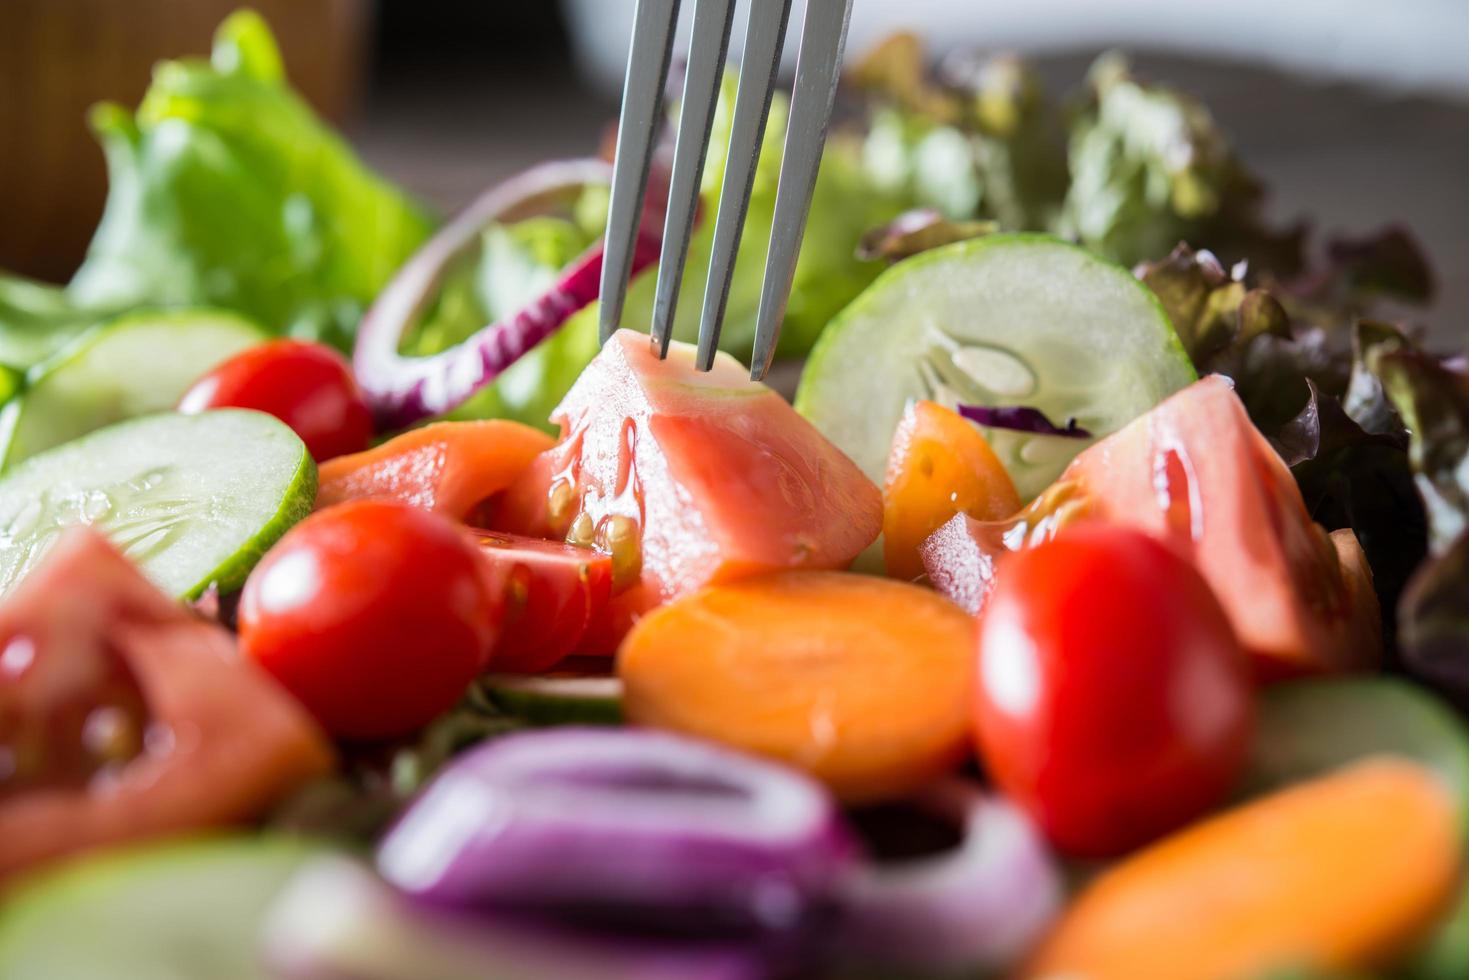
<point>123,715</point>
<point>940,466</point>
<point>449,467</point>
<point>1196,473</point>
<point>554,592</point>
<point>688,478</point>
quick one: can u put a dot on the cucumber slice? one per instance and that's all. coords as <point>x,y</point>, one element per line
<point>559,699</point>
<point>194,499</point>
<point>135,365</point>
<point>1307,727</point>
<point>176,911</point>
<point>1001,320</point>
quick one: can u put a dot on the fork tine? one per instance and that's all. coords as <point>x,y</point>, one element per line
<point>642,107</point>
<point>818,68</point>
<point>764,38</point>
<point>707,49</point>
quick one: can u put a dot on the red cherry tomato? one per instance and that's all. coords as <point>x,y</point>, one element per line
<point>375,614</point>
<point>307,386</point>
<point>1114,702</point>
<point>553,590</point>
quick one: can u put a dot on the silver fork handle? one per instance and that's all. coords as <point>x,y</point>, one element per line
<point>818,69</point>
<point>642,112</point>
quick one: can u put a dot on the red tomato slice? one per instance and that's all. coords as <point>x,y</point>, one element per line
<point>940,465</point>
<point>1196,473</point>
<point>123,715</point>
<point>449,467</point>
<point>688,478</point>
<point>554,592</point>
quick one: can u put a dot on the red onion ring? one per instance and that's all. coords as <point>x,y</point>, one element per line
<point>1022,418</point>
<point>404,390</point>
<point>623,826</point>
<point>978,906</point>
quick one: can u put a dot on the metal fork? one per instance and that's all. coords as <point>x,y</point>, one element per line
<point>818,66</point>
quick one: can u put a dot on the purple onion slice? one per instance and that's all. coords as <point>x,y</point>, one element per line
<point>336,920</point>
<point>626,828</point>
<point>978,906</point>
<point>402,390</point>
<point>1022,418</point>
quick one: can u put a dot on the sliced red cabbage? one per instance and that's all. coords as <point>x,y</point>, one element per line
<point>1022,419</point>
<point>403,390</point>
<point>625,828</point>
<point>976,907</point>
<point>336,920</point>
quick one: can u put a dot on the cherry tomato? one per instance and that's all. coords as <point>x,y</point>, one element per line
<point>1114,702</point>
<point>375,614</point>
<point>307,386</point>
<point>553,591</point>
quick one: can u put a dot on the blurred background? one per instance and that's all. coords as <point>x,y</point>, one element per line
<point>1355,113</point>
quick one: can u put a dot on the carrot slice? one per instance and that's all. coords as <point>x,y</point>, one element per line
<point>864,682</point>
<point>449,467</point>
<point>1336,873</point>
<point>940,465</point>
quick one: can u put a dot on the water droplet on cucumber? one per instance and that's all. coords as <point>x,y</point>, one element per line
<point>995,369</point>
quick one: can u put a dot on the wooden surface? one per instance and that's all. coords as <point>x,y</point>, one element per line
<point>57,57</point>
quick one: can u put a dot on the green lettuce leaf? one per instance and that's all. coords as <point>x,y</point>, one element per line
<point>1350,477</point>
<point>225,190</point>
<point>980,141</point>
<point>1150,168</point>
<point>514,264</point>
<point>1273,334</point>
<point>1212,309</point>
<point>1432,396</point>
<point>38,319</point>
<point>1388,262</point>
<point>1364,399</point>
<point>1434,615</point>
<point>1354,275</point>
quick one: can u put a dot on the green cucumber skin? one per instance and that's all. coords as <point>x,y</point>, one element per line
<point>36,418</point>
<point>539,707</point>
<point>822,397</point>
<point>152,911</point>
<point>296,504</point>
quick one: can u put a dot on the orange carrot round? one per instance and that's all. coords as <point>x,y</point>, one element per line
<point>940,465</point>
<point>449,467</point>
<point>863,682</point>
<point>1337,873</point>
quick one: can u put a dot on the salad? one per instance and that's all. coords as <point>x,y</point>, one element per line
<point>1097,606</point>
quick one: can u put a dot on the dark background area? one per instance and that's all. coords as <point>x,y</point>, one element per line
<point>463,94</point>
<point>448,96</point>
